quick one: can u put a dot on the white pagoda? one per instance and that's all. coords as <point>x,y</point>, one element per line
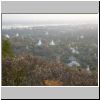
<point>39,43</point>
<point>7,36</point>
<point>82,36</point>
<point>88,68</point>
<point>52,43</point>
<point>17,35</point>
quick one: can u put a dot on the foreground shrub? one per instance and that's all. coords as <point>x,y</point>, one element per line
<point>30,70</point>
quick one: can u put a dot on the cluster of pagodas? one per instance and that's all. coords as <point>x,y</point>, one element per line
<point>40,43</point>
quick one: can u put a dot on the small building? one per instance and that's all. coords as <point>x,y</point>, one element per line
<point>74,51</point>
<point>73,63</point>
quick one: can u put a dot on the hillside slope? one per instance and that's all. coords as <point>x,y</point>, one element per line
<point>27,70</point>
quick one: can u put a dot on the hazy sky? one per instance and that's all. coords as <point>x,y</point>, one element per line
<point>26,19</point>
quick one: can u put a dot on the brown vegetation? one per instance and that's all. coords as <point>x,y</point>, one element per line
<point>52,83</point>
<point>30,70</point>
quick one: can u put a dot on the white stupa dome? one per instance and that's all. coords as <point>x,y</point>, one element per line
<point>82,36</point>
<point>74,51</point>
<point>52,43</point>
<point>39,43</point>
<point>17,35</point>
<point>7,36</point>
<point>88,68</point>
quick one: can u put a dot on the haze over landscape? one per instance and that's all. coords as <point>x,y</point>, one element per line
<point>50,49</point>
<point>48,19</point>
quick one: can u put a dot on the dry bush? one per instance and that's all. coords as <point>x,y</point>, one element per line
<point>52,83</point>
<point>30,70</point>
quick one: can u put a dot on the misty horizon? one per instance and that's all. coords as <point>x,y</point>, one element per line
<point>47,19</point>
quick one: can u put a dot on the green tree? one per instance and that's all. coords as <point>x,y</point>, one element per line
<point>7,49</point>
